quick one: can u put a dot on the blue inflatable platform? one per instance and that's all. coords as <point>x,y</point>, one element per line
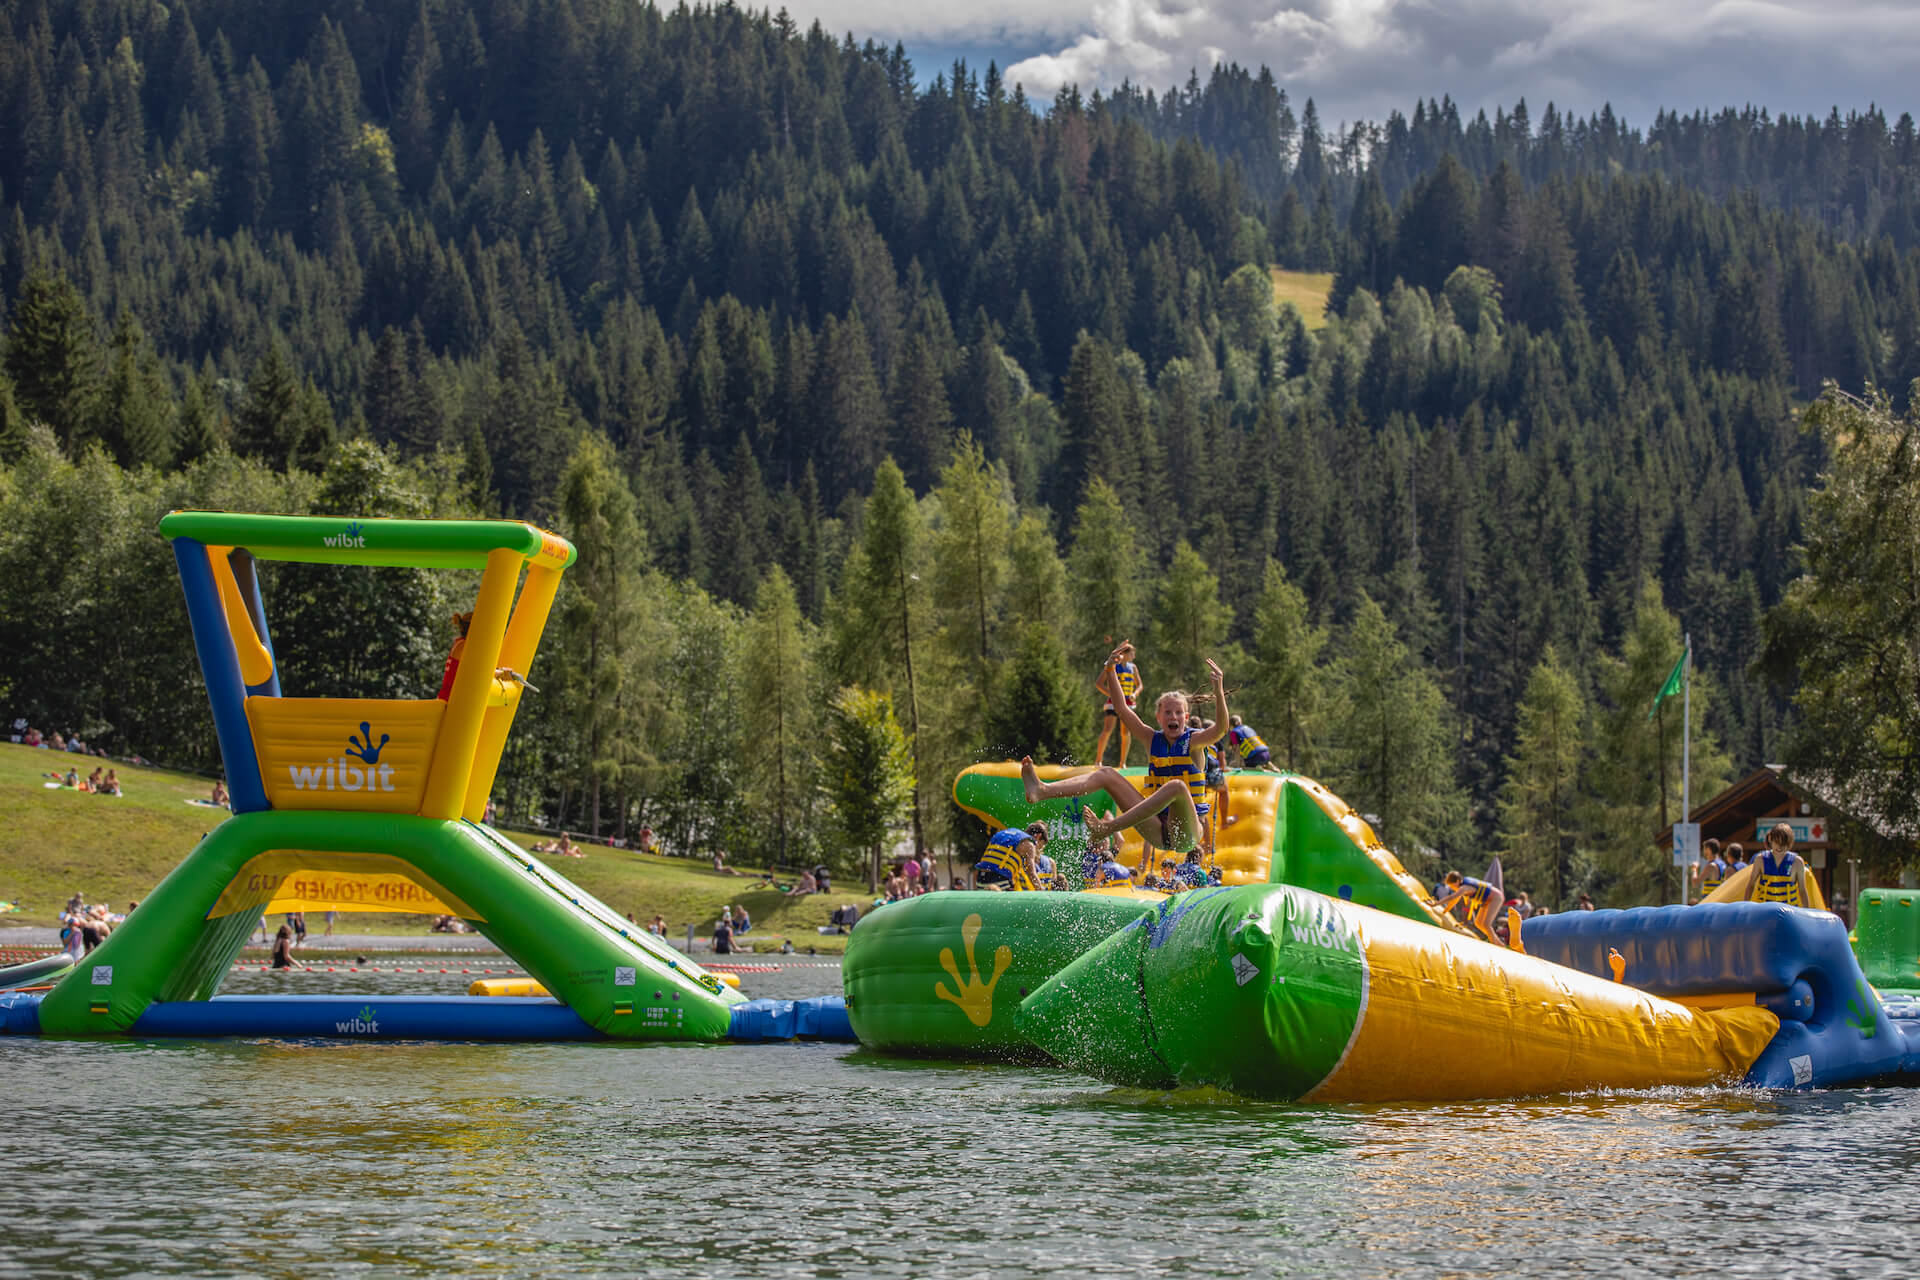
<point>1834,1028</point>
<point>426,1018</point>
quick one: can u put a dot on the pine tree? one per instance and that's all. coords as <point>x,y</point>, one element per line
<point>1394,745</point>
<point>282,421</point>
<point>1538,802</point>
<point>1037,709</point>
<point>1635,789</point>
<point>1105,568</point>
<point>52,357</point>
<point>1189,621</point>
<point>880,633</point>
<point>1289,693</point>
<point>1036,591</point>
<point>607,705</point>
<point>867,774</point>
<point>200,430</point>
<point>134,414</point>
<point>969,561</point>
<point>778,735</point>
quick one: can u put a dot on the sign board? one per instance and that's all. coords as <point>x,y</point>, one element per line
<point>1686,843</point>
<point>1806,830</point>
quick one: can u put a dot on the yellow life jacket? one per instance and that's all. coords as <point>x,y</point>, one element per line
<point>1168,760</point>
<point>1776,881</point>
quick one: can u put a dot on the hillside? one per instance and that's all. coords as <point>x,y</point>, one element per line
<point>55,843</point>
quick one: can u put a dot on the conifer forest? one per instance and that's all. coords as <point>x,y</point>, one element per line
<point>881,404</point>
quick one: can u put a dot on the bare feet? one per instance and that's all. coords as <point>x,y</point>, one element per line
<point>1030,779</point>
<point>1102,826</point>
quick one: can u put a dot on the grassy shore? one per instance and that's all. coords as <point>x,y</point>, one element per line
<point>55,842</point>
<point>1306,290</point>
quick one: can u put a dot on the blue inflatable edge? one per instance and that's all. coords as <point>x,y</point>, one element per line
<point>368,1018</point>
<point>819,1018</point>
<point>1834,1028</point>
<point>427,1018</point>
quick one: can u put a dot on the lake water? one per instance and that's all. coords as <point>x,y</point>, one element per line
<point>263,1158</point>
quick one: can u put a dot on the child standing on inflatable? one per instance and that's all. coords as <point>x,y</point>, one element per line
<point>1128,678</point>
<point>1776,870</point>
<point>1165,815</point>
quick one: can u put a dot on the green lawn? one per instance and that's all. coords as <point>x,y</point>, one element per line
<point>1306,290</point>
<point>54,843</point>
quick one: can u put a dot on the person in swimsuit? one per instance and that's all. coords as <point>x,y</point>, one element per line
<point>1165,815</point>
<point>1128,673</point>
<point>1478,897</point>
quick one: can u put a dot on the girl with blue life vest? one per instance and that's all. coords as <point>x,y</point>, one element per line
<point>1710,872</point>
<point>1777,869</point>
<point>1479,898</point>
<point>1127,672</point>
<point>1166,814</point>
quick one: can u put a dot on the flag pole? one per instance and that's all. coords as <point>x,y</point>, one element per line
<point>1686,748</point>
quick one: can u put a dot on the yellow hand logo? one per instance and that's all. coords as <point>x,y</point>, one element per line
<point>976,997</point>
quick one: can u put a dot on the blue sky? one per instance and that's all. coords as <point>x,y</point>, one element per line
<point>1362,58</point>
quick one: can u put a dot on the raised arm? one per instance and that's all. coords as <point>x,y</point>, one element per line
<point>1218,729</point>
<point>1140,729</point>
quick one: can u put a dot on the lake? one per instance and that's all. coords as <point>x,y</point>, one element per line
<point>269,1158</point>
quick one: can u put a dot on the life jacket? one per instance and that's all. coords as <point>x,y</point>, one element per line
<point>1003,855</point>
<point>1128,674</point>
<point>1776,881</point>
<point>1168,760</point>
<point>1475,896</point>
<point>1713,874</point>
<point>1245,741</point>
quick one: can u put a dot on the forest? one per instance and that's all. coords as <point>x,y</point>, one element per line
<point>880,405</point>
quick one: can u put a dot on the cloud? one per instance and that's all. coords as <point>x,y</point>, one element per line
<point>1362,58</point>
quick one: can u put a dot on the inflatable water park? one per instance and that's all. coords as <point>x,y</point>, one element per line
<point>1313,967</point>
<point>358,804</point>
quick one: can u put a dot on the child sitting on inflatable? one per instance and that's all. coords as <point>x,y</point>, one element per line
<point>1166,815</point>
<point>1011,859</point>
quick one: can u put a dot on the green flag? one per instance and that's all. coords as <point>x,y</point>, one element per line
<point>1672,686</point>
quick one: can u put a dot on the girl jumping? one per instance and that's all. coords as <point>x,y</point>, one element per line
<point>1165,814</point>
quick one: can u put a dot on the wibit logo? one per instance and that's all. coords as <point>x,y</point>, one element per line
<point>975,998</point>
<point>361,1024</point>
<point>338,775</point>
<point>352,537</point>
<point>361,744</point>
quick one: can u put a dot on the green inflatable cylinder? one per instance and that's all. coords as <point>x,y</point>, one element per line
<point>943,974</point>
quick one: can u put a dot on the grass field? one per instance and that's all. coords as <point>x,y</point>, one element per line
<point>54,843</point>
<point>1306,290</point>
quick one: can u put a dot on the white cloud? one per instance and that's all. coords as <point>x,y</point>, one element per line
<point>1362,58</point>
